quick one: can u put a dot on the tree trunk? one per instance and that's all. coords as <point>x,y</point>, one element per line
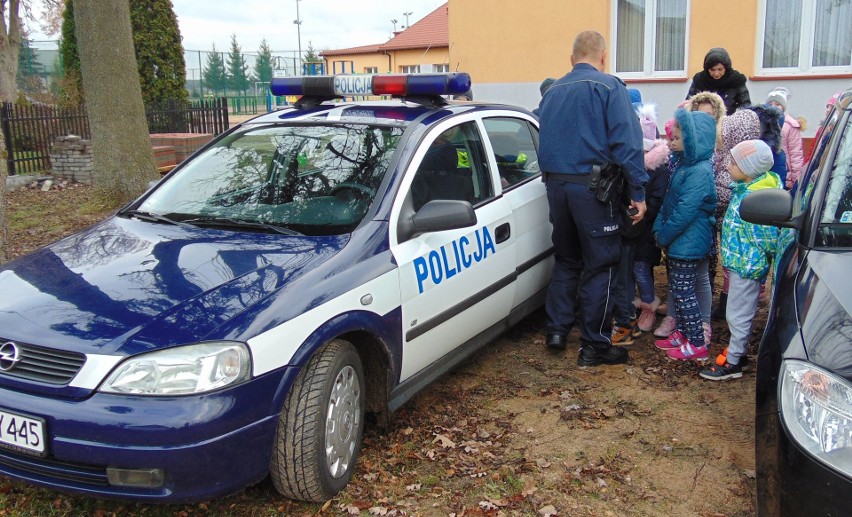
<point>121,148</point>
<point>10,45</point>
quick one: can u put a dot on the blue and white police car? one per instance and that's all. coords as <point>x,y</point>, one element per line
<point>242,318</point>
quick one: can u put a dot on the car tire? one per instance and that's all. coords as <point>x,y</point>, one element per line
<point>320,427</point>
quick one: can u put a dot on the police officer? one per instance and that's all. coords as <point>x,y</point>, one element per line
<point>586,120</point>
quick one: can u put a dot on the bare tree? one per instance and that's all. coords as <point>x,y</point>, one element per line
<point>121,148</point>
<point>10,44</point>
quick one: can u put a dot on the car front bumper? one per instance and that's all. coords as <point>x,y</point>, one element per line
<point>205,446</point>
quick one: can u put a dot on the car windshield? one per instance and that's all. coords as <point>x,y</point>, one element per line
<point>836,223</point>
<point>309,179</point>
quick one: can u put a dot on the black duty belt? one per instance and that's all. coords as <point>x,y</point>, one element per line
<point>580,179</point>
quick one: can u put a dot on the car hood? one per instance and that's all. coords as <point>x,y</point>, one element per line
<point>824,304</point>
<point>127,286</point>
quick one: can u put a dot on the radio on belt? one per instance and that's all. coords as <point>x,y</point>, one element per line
<point>378,84</point>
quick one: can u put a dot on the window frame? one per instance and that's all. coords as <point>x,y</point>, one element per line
<point>649,42</point>
<point>807,33</point>
<point>409,69</point>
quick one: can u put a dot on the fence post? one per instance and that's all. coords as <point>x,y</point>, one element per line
<point>5,114</point>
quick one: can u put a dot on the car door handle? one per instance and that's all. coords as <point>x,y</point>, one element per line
<point>502,233</point>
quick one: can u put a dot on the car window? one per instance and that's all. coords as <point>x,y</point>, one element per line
<point>453,168</point>
<point>514,149</point>
<point>317,179</point>
<point>818,158</point>
<point>835,227</point>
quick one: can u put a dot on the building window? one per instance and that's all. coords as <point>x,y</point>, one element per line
<point>651,37</point>
<point>371,69</point>
<point>441,69</point>
<point>409,69</point>
<point>806,35</point>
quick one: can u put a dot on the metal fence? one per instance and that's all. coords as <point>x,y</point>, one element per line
<point>206,116</point>
<point>29,130</point>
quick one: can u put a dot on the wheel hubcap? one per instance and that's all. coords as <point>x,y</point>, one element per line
<point>342,422</point>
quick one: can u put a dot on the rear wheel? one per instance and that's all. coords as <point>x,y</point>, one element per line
<point>319,430</point>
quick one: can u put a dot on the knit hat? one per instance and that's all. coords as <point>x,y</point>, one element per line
<point>669,127</point>
<point>648,120</point>
<point>635,97</point>
<point>546,84</point>
<point>753,157</point>
<point>779,95</point>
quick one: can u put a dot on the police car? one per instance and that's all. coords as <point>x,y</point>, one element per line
<point>309,268</point>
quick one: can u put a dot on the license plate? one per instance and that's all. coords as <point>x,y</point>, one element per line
<point>22,433</point>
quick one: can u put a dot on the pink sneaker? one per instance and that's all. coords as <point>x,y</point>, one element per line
<point>648,315</point>
<point>688,352</point>
<point>675,340</point>
<point>667,326</point>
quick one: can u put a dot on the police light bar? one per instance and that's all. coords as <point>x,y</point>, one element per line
<point>387,84</point>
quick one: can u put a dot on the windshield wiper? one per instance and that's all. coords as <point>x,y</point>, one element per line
<point>151,217</point>
<point>229,222</point>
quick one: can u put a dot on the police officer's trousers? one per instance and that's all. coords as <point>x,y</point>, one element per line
<point>587,242</point>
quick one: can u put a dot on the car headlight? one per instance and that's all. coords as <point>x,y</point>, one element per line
<point>816,407</point>
<point>182,370</point>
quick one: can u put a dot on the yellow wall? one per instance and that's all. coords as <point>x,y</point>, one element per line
<point>512,41</point>
<point>735,30</point>
<point>390,62</point>
<point>503,41</point>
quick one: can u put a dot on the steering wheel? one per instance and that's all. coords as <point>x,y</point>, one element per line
<point>348,185</point>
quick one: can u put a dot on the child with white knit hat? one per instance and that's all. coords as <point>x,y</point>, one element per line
<point>747,251</point>
<point>791,135</point>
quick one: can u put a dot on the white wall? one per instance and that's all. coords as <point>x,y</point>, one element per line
<point>807,97</point>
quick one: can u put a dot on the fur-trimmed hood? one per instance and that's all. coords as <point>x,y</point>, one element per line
<point>711,97</point>
<point>657,155</point>
<point>771,122</point>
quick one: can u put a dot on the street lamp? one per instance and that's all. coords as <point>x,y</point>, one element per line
<point>298,22</point>
<point>406,18</point>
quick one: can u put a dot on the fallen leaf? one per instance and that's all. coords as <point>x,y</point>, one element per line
<point>444,441</point>
<point>548,510</point>
<point>542,463</point>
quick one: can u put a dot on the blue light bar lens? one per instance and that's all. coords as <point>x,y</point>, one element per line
<point>345,85</point>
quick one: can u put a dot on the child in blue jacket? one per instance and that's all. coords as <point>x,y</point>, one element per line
<point>684,228</point>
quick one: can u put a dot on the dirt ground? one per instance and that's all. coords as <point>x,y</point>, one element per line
<point>516,430</point>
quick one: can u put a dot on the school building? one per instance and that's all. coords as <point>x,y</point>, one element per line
<point>509,47</point>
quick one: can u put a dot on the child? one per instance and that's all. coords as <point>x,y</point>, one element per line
<point>739,127</point>
<point>638,248</point>
<point>647,253</point>
<point>791,136</point>
<point>747,251</point>
<point>684,228</point>
<point>713,105</point>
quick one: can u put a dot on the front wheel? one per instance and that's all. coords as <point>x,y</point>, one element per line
<point>319,431</point>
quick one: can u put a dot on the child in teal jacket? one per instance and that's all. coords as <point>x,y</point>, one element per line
<point>747,251</point>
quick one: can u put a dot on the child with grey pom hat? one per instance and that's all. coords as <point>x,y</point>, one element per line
<point>747,251</point>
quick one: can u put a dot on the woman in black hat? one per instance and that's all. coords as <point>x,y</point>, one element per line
<point>719,77</point>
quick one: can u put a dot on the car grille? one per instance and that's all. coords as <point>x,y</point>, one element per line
<point>82,474</point>
<point>45,365</point>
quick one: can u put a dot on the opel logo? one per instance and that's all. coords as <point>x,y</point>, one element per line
<point>9,356</point>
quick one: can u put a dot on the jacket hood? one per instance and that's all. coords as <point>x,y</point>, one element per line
<point>739,127</point>
<point>124,285</point>
<point>771,121</point>
<point>657,155</point>
<point>699,135</point>
<point>715,56</point>
<point>714,99</point>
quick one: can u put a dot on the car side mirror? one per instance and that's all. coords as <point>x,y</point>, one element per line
<point>443,214</point>
<point>436,216</point>
<point>771,207</point>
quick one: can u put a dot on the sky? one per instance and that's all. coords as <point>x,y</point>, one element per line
<point>326,24</point>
